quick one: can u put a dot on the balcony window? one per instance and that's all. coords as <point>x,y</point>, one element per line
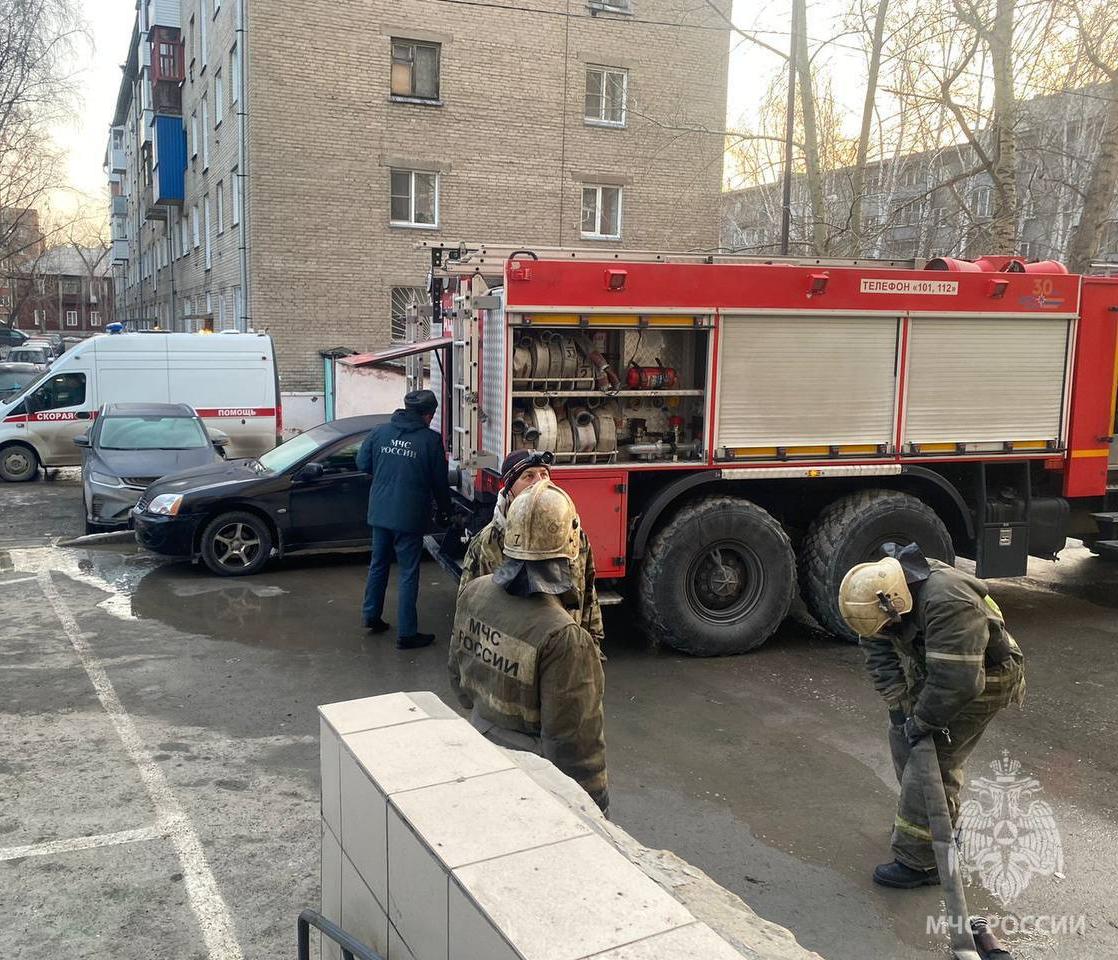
<point>601,212</point>
<point>415,69</point>
<point>415,198</point>
<point>167,55</point>
<point>606,89</point>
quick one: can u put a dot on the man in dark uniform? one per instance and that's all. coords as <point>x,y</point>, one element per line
<point>940,656</point>
<point>406,461</point>
<point>530,674</point>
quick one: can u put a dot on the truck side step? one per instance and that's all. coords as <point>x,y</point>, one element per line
<point>609,598</point>
<point>1107,524</point>
<point>1107,549</point>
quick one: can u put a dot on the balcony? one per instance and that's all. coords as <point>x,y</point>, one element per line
<point>118,207</point>
<point>120,251</point>
<point>119,228</point>
<point>169,162</point>
<point>153,209</point>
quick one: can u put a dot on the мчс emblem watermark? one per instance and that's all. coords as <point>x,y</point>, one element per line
<point>1007,837</point>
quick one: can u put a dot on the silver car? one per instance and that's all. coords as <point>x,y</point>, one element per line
<point>131,445</point>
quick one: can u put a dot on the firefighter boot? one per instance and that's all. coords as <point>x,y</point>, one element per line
<point>415,641</point>
<point>897,875</point>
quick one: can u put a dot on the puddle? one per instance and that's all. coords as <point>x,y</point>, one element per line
<point>116,572</point>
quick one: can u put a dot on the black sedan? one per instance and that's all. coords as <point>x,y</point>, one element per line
<point>306,494</point>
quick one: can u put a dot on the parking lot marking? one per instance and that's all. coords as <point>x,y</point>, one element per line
<point>49,847</point>
<point>4,583</point>
<point>171,820</point>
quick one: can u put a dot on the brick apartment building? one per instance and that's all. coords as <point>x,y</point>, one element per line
<point>322,140</point>
<point>64,289</point>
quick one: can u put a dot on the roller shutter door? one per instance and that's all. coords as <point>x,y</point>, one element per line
<point>985,381</point>
<point>806,381</point>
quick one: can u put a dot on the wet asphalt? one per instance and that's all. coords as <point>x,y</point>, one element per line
<point>769,771</point>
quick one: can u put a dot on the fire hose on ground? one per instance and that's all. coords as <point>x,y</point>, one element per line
<point>971,938</point>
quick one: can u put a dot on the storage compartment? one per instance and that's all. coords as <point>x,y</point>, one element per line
<point>604,396</point>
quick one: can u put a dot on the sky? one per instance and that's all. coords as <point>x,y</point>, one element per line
<point>110,25</point>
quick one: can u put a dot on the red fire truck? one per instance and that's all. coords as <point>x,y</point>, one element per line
<point>734,429</point>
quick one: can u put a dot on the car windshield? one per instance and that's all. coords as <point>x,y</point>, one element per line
<point>27,355</point>
<point>12,381</point>
<point>286,455</point>
<point>151,433</point>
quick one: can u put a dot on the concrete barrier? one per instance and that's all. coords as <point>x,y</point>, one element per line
<point>438,845</point>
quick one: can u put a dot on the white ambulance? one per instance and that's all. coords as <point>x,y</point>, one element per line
<point>229,378</point>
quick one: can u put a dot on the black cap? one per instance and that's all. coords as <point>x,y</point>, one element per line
<point>520,460</point>
<point>421,402</point>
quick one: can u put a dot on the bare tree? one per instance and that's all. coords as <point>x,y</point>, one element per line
<point>858,175</point>
<point>37,41</point>
<point>1097,37</point>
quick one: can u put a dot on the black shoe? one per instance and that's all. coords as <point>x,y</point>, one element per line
<point>415,641</point>
<point>377,626</point>
<point>897,875</point>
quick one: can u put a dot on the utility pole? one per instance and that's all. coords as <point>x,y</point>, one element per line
<point>789,133</point>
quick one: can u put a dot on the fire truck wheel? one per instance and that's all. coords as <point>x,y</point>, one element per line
<point>852,530</point>
<point>718,578</point>
<point>18,462</point>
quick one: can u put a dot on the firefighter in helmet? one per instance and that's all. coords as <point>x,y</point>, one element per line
<point>519,471</point>
<point>519,660</point>
<point>940,656</point>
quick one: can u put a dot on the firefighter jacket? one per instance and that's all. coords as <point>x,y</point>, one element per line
<point>406,461</point>
<point>486,553</point>
<point>523,664</point>
<point>952,649</point>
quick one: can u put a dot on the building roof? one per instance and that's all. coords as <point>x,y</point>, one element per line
<point>66,261</point>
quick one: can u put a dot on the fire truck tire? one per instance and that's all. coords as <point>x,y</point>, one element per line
<point>717,579</point>
<point>852,530</point>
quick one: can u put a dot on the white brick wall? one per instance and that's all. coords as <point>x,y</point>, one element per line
<point>437,847</point>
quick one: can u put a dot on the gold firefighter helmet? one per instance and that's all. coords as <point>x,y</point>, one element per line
<point>542,525</point>
<point>873,595</point>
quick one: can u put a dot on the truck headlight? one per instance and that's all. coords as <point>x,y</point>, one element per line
<point>166,504</point>
<point>104,479</point>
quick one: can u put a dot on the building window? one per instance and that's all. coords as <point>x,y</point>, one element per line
<point>220,207</point>
<point>206,228</point>
<point>41,284</point>
<point>415,198</point>
<point>611,6</point>
<point>219,98</point>
<point>234,76</point>
<point>606,89</point>
<point>184,242</point>
<point>194,225</point>
<point>40,316</point>
<point>983,201</point>
<point>217,6</point>
<point>601,212</point>
<point>71,318</point>
<point>205,133</point>
<point>235,214</point>
<point>402,298</point>
<point>202,20</point>
<point>415,69</point>
<point>194,134</point>
<point>94,318</point>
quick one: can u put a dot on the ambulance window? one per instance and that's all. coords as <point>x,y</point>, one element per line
<point>342,459</point>
<point>63,390</point>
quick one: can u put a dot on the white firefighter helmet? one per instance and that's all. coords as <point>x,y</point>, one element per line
<point>542,524</point>
<point>874,594</point>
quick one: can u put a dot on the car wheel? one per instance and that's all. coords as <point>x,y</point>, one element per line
<point>18,462</point>
<point>236,544</point>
